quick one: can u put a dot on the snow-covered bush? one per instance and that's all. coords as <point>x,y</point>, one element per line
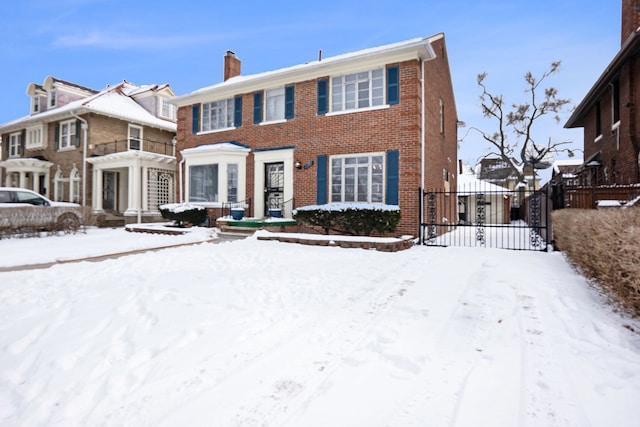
<point>183,213</point>
<point>350,218</point>
<point>603,245</point>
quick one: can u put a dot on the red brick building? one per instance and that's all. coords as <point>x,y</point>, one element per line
<point>368,127</point>
<point>609,114</point>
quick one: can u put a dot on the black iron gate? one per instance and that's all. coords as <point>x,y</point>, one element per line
<point>486,218</point>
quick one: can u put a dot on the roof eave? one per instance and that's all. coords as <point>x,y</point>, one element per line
<point>420,49</point>
<point>631,44</point>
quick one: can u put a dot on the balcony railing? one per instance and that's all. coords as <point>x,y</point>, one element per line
<point>120,146</point>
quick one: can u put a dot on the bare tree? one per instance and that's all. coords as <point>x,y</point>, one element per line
<point>518,120</point>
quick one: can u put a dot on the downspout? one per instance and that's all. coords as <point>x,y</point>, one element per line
<point>422,135</point>
<point>85,126</point>
<point>180,178</point>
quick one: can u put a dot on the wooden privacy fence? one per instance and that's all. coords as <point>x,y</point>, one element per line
<point>585,197</point>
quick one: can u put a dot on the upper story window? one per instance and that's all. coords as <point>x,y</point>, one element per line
<point>615,102</point>
<point>35,104</point>
<point>53,98</point>
<point>357,178</point>
<point>274,104</point>
<point>35,137</point>
<point>167,110</point>
<point>218,115</point>
<point>135,137</point>
<point>15,142</point>
<point>441,117</point>
<point>358,90</point>
<point>67,134</point>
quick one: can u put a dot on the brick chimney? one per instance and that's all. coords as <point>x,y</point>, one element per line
<point>630,18</point>
<point>232,65</point>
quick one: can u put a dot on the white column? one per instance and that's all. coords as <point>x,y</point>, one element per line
<point>145,185</point>
<point>23,180</point>
<point>97,190</point>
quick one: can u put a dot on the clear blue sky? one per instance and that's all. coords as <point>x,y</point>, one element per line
<point>100,42</point>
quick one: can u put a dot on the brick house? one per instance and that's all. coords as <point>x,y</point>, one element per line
<point>96,148</point>
<point>609,115</point>
<point>371,126</point>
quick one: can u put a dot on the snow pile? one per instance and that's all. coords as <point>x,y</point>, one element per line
<point>342,207</point>
<point>263,333</point>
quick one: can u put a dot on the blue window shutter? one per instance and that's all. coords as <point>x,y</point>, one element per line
<point>393,176</point>
<point>237,113</point>
<point>257,107</point>
<point>321,180</point>
<point>195,118</point>
<point>56,141</point>
<point>393,85</point>
<point>289,92</point>
<point>322,96</point>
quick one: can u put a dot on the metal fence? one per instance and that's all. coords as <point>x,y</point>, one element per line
<point>485,218</point>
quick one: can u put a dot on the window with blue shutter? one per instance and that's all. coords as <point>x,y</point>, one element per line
<point>322,96</point>
<point>393,176</point>
<point>289,92</point>
<point>195,118</point>
<point>257,107</point>
<point>393,85</point>
<point>237,113</point>
<point>321,180</point>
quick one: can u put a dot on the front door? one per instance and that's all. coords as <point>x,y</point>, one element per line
<point>109,183</point>
<point>273,186</point>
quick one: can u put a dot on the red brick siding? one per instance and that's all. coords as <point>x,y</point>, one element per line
<point>397,127</point>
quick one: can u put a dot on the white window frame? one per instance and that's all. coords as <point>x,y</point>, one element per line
<point>35,137</point>
<point>74,185</point>
<point>35,104</point>
<point>274,105</point>
<point>218,115</point>
<point>366,87</point>
<point>339,174</point>
<point>66,139</point>
<point>14,144</point>
<point>52,98</point>
<point>135,138</point>
<point>167,109</point>
<point>232,182</point>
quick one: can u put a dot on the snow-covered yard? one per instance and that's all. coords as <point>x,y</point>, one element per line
<point>254,333</point>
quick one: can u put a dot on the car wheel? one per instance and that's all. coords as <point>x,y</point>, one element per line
<point>68,223</point>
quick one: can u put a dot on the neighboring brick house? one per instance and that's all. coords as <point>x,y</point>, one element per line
<point>609,112</point>
<point>77,143</point>
<point>372,126</point>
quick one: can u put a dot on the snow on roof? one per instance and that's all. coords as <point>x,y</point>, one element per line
<point>217,146</point>
<point>112,101</point>
<point>421,43</point>
<point>470,184</point>
<point>566,163</point>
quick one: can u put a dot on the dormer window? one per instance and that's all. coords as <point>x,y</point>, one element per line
<point>35,104</point>
<point>53,98</point>
<point>167,110</point>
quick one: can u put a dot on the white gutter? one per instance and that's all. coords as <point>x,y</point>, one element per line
<point>84,126</point>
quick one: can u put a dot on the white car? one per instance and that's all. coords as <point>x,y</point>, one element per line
<point>22,209</point>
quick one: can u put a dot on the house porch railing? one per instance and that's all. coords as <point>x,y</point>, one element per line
<point>146,145</point>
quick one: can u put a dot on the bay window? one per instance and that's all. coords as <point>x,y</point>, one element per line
<point>203,183</point>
